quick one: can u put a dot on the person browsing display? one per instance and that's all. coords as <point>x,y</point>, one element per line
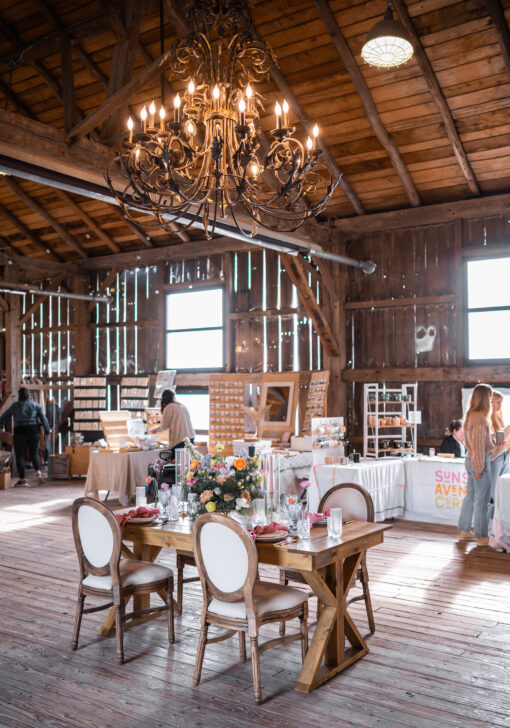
<point>175,419</point>
<point>453,442</point>
<point>28,417</point>
<point>500,464</point>
<point>481,451</point>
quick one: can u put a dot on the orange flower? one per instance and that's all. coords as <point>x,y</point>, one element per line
<point>290,500</point>
<point>194,464</point>
<point>206,496</point>
<point>246,496</point>
<point>240,463</point>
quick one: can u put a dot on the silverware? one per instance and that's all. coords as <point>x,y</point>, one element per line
<point>289,539</point>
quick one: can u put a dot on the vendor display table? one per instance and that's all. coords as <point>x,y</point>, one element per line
<point>435,489</point>
<point>500,532</point>
<point>383,479</point>
<point>119,472</point>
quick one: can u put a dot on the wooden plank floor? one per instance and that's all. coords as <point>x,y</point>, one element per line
<point>440,656</point>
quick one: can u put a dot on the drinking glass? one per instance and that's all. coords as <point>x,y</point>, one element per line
<point>259,505</point>
<point>294,507</point>
<point>174,509</point>
<point>164,499</point>
<point>335,523</point>
<point>304,526</point>
<point>193,504</point>
<point>141,498</point>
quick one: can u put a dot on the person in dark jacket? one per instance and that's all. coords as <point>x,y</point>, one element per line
<point>453,442</point>
<point>28,417</point>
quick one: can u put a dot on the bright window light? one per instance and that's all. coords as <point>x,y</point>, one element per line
<point>198,406</point>
<point>194,330</point>
<point>195,309</point>
<point>488,315</point>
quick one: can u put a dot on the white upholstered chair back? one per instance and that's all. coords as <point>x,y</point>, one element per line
<point>355,502</point>
<point>97,536</point>
<point>226,556</point>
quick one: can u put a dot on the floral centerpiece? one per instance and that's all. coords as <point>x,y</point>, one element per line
<point>222,483</point>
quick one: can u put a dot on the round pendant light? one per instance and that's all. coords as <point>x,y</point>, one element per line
<point>387,45</point>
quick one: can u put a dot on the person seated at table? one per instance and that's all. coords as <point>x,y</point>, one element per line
<point>176,419</point>
<point>28,418</point>
<point>453,442</point>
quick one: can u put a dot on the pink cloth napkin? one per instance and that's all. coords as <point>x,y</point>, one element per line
<point>140,512</point>
<point>270,528</point>
<point>315,517</point>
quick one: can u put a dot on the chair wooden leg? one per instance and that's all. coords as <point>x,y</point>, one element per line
<point>180,583</point>
<point>366,595</point>
<point>77,621</point>
<point>119,626</point>
<point>304,631</point>
<point>255,665</point>
<point>170,608</point>
<point>242,646</point>
<point>200,653</point>
<point>284,581</point>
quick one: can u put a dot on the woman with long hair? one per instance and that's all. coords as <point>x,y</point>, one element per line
<point>500,463</point>
<point>176,420</point>
<point>481,450</point>
<point>453,441</point>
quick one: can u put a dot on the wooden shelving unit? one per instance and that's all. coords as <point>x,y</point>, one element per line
<point>381,403</point>
<point>89,395</point>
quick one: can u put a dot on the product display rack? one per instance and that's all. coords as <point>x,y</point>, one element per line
<point>389,420</point>
<point>89,400</point>
<point>134,394</point>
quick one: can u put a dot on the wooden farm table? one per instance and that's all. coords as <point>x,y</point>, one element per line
<point>329,567</point>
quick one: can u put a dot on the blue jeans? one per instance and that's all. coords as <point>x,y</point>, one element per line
<point>478,493</point>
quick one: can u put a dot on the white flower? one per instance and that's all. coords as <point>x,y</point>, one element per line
<point>217,491</point>
<point>240,503</point>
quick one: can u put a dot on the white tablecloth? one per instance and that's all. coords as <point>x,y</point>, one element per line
<point>500,532</point>
<point>119,472</point>
<point>383,479</point>
<point>435,489</point>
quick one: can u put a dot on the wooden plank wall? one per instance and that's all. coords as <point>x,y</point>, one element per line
<point>422,263</point>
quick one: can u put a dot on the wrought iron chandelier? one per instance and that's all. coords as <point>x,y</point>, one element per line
<point>205,162</point>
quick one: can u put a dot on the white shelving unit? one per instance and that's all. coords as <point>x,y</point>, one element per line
<point>382,438</point>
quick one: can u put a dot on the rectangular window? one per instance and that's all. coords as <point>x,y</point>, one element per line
<point>488,309</point>
<point>194,322</point>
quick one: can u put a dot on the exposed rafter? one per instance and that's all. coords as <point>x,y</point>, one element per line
<point>36,207</point>
<point>89,221</point>
<point>499,21</point>
<point>438,96</point>
<point>29,234</point>
<point>298,276</point>
<point>359,82</point>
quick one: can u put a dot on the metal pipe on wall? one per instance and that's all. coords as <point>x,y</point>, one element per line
<point>21,289</point>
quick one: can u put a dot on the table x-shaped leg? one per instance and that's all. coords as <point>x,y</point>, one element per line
<point>333,626</point>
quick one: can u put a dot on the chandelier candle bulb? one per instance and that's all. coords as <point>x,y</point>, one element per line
<point>242,109</point>
<point>152,112</point>
<point>315,132</point>
<point>162,114</point>
<point>216,95</point>
<point>285,113</point>
<point>143,117</point>
<point>249,94</point>
<point>278,114</point>
<point>190,128</point>
<point>130,129</point>
<point>191,91</point>
<point>309,144</point>
<point>177,108</point>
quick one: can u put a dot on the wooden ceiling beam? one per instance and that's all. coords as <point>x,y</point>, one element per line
<point>499,21</point>
<point>142,236</point>
<point>36,207</point>
<point>438,96</point>
<point>29,234</point>
<point>298,276</point>
<point>360,84</point>
<point>15,101</point>
<point>425,215</point>
<point>66,57</point>
<point>167,253</point>
<point>89,221</point>
<point>120,98</point>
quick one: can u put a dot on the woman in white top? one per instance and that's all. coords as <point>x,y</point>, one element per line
<point>175,418</point>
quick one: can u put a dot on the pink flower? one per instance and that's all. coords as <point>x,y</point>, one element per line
<point>228,497</point>
<point>305,484</point>
<point>206,496</point>
<point>164,486</point>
